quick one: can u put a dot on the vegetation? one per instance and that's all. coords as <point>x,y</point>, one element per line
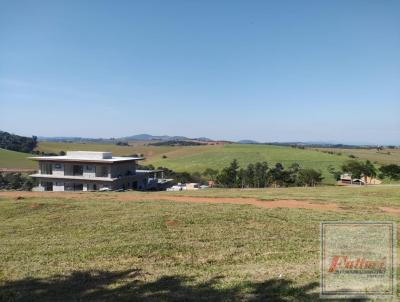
<point>381,156</point>
<point>359,169</point>
<point>259,175</point>
<point>390,171</point>
<point>16,181</point>
<point>17,143</point>
<point>96,246</point>
<point>16,160</point>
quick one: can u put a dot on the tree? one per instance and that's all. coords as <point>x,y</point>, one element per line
<point>335,173</point>
<point>229,175</point>
<point>369,170</point>
<point>391,171</point>
<point>242,177</point>
<point>211,174</point>
<point>277,175</point>
<point>359,169</point>
<point>17,143</point>
<point>260,174</point>
<point>353,167</point>
<point>249,176</point>
<point>309,177</point>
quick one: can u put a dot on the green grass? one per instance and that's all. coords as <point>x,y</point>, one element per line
<point>18,160</point>
<point>220,157</point>
<point>89,249</point>
<point>383,157</point>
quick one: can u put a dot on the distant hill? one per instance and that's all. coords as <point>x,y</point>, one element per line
<point>136,137</point>
<point>162,138</point>
<point>149,137</point>
<point>247,141</point>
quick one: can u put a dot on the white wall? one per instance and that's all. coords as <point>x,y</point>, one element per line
<point>58,169</point>
<point>58,186</point>
<point>89,171</point>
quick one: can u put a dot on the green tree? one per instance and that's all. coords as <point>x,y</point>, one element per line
<point>260,174</point>
<point>229,175</point>
<point>309,177</point>
<point>211,174</point>
<point>353,167</point>
<point>369,170</point>
<point>391,171</point>
<point>250,175</point>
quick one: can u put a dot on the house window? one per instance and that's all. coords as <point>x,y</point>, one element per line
<point>47,185</point>
<point>46,168</point>
<point>101,171</point>
<point>73,187</point>
<point>77,170</point>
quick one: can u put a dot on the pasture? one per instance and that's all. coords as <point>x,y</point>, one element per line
<point>167,246</point>
<point>383,157</point>
<point>15,160</point>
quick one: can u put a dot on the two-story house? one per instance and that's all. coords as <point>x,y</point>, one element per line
<point>88,171</point>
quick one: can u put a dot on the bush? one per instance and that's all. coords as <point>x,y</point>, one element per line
<point>16,181</point>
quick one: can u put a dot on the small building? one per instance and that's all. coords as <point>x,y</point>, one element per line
<point>192,186</point>
<point>91,171</point>
<point>346,179</point>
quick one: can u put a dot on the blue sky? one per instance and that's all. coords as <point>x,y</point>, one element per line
<point>264,70</point>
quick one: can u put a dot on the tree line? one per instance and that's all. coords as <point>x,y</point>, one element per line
<point>17,143</point>
<point>261,175</point>
<point>255,175</point>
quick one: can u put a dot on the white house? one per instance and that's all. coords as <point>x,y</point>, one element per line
<point>92,171</point>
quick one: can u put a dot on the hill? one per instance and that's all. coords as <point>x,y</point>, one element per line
<point>15,160</point>
<point>193,160</point>
<point>383,156</point>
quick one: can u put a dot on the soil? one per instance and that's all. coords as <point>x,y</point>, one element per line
<point>284,203</point>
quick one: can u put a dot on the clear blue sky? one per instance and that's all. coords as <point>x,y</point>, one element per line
<point>264,70</point>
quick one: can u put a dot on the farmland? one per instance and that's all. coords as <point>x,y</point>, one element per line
<point>166,247</point>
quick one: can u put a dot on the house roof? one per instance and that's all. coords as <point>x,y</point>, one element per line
<point>86,156</point>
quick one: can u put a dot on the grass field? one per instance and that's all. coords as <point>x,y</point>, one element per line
<point>383,157</point>
<point>220,157</point>
<point>18,160</point>
<point>102,247</point>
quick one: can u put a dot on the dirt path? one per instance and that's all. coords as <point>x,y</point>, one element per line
<point>390,210</point>
<point>285,203</point>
